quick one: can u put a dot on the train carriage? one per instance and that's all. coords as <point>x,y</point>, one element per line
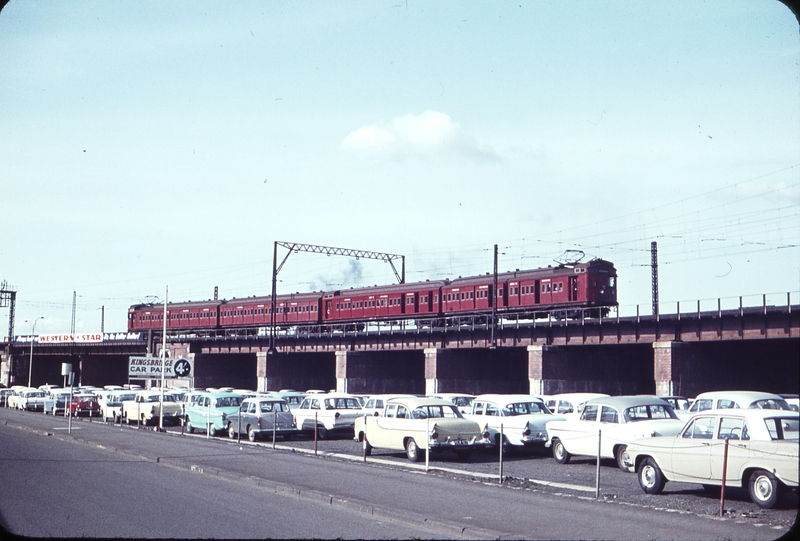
<point>184,315</point>
<point>565,290</point>
<point>382,302</point>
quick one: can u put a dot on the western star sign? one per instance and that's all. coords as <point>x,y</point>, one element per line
<point>150,368</point>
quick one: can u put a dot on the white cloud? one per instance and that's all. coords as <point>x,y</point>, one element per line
<point>430,134</point>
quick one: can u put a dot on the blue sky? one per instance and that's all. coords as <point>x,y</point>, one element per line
<point>149,144</point>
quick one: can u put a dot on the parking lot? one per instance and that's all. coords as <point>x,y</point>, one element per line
<point>534,470</point>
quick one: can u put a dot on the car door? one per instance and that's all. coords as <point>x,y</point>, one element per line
<point>733,429</point>
<point>691,451</point>
<point>612,431</point>
<point>583,437</point>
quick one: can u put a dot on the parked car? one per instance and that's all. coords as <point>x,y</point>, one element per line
<point>678,403</point>
<point>461,400</point>
<point>4,395</point>
<point>262,416</point>
<point>84,404</point>
<point>376,404</point>
<point>734,400</point>
<point>29,399</point>
<point>569,404</point>
<point>335,413</point>
<point>145,408</point>
<point>111,403</point>
<point>55,402</point>
<point>211,411</point>
<point>762,453</point>
<point>793,400</point>
<point>621,419</point>
<point>524,419</point>
<point>294,398</point>
<point>414,424</point>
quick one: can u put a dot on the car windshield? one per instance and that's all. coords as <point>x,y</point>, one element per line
<point>342,403</point>
<point>35,394</point>
<point>771,404</point>
<point>524,408</point>
<point>783,428</point>
<point>645,412</point>
<point>124,397</point>
<point>157,398</point>
<point>269,407</point>
<point>436,412</point>
<point>228,402</point>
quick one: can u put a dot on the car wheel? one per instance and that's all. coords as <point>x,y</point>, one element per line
<point>764,489</point>
<point>322,433</point>
<point>211,431</point>
<point>189,427</point>
<point>367,447</point>
<point>412,451</point>
<point>251,434</point>
<point>144,420</point>
<point>560,453</point>
<point>124,418</point>
<point>621,454</point>
<point>231,431</point>
<point>651,479</point>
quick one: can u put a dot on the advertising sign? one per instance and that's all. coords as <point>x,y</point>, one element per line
<point>150,368</point>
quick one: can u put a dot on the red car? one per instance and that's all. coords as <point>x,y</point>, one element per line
<point>84,404</point>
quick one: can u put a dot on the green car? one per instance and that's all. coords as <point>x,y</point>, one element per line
<point>210,411</point>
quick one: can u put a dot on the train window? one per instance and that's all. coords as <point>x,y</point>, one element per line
<point>611,281</point>
<point>435,299</point>
<point>499,292</point>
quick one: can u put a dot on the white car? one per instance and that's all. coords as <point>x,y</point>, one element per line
<point>569,404</point>
<point>762,453</point>
<point>734,400</point>
<point>376,403</point>
<point>462,401</point>
<point>55,402</point>
<point>111,403</point>
<point>29,399</point>
<point>333,412</point>
<point>524,419</point>
<point>616,420</point>
<point>413,424</point>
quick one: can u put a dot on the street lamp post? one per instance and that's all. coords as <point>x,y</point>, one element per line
<point>33,334</point>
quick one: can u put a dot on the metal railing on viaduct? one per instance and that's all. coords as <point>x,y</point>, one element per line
<point>685,351</point>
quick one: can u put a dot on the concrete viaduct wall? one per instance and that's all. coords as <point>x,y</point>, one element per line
<point>665,368</point>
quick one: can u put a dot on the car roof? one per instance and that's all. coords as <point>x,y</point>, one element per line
<point>749,414</point>
<point>416,401</point>
<point>747,397</point>
<point>575,396</point>
<point>507,398</point>
<point>628,401</point>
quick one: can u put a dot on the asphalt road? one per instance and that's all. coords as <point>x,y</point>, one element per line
<point>192,487</point>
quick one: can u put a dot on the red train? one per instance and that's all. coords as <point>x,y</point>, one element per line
<point>565,289</point>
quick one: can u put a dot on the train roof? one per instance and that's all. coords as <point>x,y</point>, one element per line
<point>541,273</point>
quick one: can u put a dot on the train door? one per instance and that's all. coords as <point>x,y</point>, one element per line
<point>573,288</point>
<point>328,308</point>
<point>537,298</point>
<point>546,291</point>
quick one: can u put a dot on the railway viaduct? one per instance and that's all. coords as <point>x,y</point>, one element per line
<point>670,354</point>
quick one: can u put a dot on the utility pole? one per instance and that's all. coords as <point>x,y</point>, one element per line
<point>8,297</point>
<point>494,299</point>
<point>654,268</point>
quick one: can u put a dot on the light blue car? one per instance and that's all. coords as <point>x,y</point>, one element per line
<point>210,412</point>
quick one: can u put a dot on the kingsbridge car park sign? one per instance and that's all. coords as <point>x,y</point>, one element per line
<point>150,368</point>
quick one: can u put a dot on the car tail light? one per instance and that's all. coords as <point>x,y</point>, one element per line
<point>259,422</point>
<point>486,434</point>
<point>337,415</point>
<point>435,432</point>
<point>153,410</point>
<point>527,430</point>
<point>224,415</point>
